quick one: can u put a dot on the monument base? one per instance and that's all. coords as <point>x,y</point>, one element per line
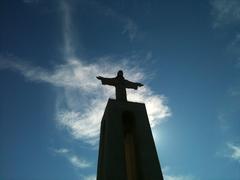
<point>127,150</point>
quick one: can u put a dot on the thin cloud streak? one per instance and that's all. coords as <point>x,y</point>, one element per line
<point>90,177</point>
<point>235,151</point>
<point>73,159</point>
<point>168,176</point>
<point>67,28</point>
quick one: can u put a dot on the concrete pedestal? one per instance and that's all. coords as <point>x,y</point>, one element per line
<point>127,150</point>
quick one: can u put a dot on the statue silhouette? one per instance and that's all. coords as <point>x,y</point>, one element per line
<point>120,84</point>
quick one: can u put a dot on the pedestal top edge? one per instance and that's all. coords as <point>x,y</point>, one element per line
<point>123,102</point>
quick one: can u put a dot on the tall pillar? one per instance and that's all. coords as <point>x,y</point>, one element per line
<point>127,150</point>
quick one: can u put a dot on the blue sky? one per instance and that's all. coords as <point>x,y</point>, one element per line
<point>186,53</point>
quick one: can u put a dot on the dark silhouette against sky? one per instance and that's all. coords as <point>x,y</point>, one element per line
<point>120,84</point>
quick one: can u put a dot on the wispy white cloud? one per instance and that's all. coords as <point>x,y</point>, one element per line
<point>72,158</point>
<point>81,102</point>
<point>231,151</point>
<point>67,28</point>
<point>81,105</point>
<point>225,12</point>
<point>234,151</point>
<point>89,177</point>
<point>61,151</point>
<point>170,176</point>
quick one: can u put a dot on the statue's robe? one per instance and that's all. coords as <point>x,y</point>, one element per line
<point>120,86</point>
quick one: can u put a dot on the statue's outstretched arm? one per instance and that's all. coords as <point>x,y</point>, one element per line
<point>132,85</point>
<point>139,84</point>
<point>107,81</point>
<point>99,77</point>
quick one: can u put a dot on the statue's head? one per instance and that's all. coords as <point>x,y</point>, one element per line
<point>120,73</point>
